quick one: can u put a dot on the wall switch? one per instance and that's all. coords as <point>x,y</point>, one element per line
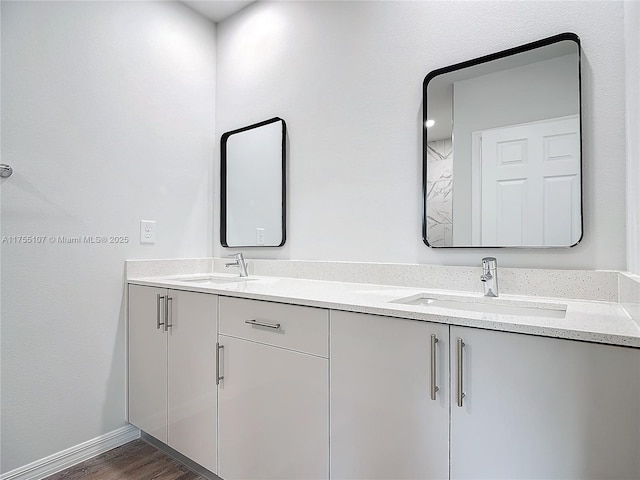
<point>147,231</point>
<point>259,236</point>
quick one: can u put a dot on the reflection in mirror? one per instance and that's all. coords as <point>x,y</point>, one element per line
<point>253,185</point>
<point>502,149</point>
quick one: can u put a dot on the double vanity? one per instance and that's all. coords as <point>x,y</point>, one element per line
<point>374,371</point>
<point>269,377</point>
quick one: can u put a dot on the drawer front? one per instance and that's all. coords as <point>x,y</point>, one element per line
<point>305,329</point>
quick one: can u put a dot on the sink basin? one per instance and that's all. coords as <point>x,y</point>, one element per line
<point>487,305</point>
<point>204,279</point>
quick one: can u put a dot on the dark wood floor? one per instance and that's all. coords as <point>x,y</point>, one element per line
<point>135,460</point>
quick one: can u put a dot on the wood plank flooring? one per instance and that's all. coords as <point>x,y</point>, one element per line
<point>135,460</point>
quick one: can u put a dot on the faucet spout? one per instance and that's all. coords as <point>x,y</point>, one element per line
<point>239,262</point>
<point>489,277</point>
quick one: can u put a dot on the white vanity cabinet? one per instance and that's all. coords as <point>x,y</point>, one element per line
<point>543,408</point>
<point>509,406</point>
<point>274,391</point>
<point>389,398</point>
<point>308,393</point>
<point>172,388</point>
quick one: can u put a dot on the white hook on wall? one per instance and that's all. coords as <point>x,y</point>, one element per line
<point>5,170</point>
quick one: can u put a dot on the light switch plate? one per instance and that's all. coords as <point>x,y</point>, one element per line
<point>259,236</point>
<point>147,231</point>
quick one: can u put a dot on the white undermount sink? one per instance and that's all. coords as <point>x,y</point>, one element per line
<point>519,308</point>
<point>204,279</point>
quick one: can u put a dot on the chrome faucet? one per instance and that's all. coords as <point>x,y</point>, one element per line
<point>239,263</point>
<point>489,276</point>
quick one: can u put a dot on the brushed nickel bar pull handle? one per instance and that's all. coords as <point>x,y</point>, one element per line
<point>275,326</point>
<point>218,377</point>
<point>158,322</point>
<point>168,322</point>
<point>434,387</point>
<point>460,393</point>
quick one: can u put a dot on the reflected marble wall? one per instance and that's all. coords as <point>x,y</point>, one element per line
<point>440,193</point>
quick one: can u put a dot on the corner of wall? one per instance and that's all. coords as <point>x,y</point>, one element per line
<point>632,127</point>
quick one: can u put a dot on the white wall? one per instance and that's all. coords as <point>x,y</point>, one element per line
<point>347,78</point>
<point>107,118</point>
<point>632,75</point>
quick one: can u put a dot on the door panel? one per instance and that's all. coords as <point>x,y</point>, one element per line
<point>192,417</point>
<point>544,408</point>
<point>147,362</point>
<point>531,183</point>
<point>512,211</point>
<point>561,227</point>
<point>273,413</point>
<point>384,424</point>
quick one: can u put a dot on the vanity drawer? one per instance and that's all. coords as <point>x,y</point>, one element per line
<point>305,329</point>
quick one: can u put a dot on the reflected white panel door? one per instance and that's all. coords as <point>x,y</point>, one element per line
<point>531,184</point>
<point>384,422</point>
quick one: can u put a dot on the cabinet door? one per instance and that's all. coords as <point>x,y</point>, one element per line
<point>192,383</point>
<point>384,423</point>
<point>273,413</point>
<point>541,408</point>
<point>147,361</point>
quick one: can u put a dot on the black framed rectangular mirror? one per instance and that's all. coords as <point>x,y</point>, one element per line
<point>502,149</point>
<point>253,185</point>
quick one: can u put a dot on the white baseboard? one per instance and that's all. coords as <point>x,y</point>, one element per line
<point>71,456</point>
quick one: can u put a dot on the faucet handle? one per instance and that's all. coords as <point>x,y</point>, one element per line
<point>240,262</point>
<point>489,263</point>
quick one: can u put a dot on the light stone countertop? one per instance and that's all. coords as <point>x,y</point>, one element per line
<point>592,321</point>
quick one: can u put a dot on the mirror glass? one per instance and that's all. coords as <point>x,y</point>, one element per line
<point>502,149</point>
<point>253,185</point>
